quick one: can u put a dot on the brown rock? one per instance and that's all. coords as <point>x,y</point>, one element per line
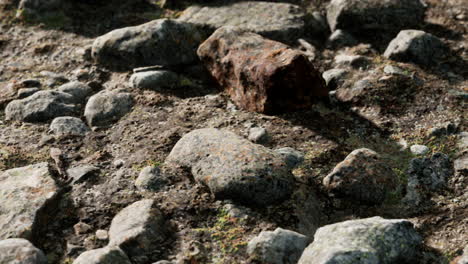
<point>259,74</point>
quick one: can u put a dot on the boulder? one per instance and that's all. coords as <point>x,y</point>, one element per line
<point>261,75</point>
<point>78,90</point>
<point>233,167</point>
<point>279,21</point>
<point>278,247</point>
<point>416,46</point>
<point>20,251</point>
<point>107,107</point>
<point>359,16</point>
<point>150,179</point>
<point>362,176</point>
<point>68,126</point>
<point>159,42</point>
<point>155,80</point>
<point>138,236</point>
<point>26,195</point>
<point>107,255</point>
<point>372,241</point>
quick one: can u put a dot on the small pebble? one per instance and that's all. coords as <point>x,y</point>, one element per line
<point>419,149</point>
<point>102,234</point>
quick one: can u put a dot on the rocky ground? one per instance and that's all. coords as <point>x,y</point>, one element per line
<point>311,132</point>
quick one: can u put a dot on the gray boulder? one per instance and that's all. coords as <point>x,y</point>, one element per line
<point>78,90</point>
<point>68,126</point>
<point>107,255</point>
<point>291,156</point>
<point>159,42</point>
<point>20,251</point>
<point>362,176</point>
<point>258,135</point>
<point>279,21</point>
<point>107,107</point>
<point>233,167</point>
<point>150,179</point>
<point>138,236</point>
<point>278,247</point>
<point>371,241</point>
<point>415,46</point>
<point>154,80</point>
<point>81,173</point>
<point>356,16</point>
<point>26,194</point>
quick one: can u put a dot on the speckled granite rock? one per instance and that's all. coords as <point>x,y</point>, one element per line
<point>20,251</point>
<point>233,167</point>
<point>371,241</point>
<point>107,107</point>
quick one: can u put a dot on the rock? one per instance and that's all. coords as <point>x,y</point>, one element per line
<point>118,163</point>
<point>25,92</point>
<point>427,175</point>
<point>341,38</point>
<point>26,195</point>
<point>155,80</point>
<point>419,149</point>
<point>291,156</point>
<point>464,258</point>
<point>278,247</point>
<point>415,46</point>
<point>68,126</point>
<point>107,107</point>
<point>41,107</point>
<point>20,251</point>
<point>279,21</point>
<point>107,255</point>
<point>356,92</point>
<point>150,179</point>
<point>372,241</point>
<point>159,42</point>
<point>393,70</point>
<point>334,78</point>
<point>446,128</point>
<point>31,83</point>
<point>355,61</point>
<point>81,173</point>
<point>138,236</point>
<point>78,90</point>
<point>258,135</point>
<point>54,79</point>
<point>278,79</point>
<point>358,17</point>
<point>233,167</point>
<point>42,6</point>
<point>102,234</point>
<point>82,228</point>
<point>362,176</point>
<point>237,211</point>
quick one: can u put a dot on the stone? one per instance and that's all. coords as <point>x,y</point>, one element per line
<point>25,92</point>
<point>78,90</point>
<point>415,46</point>
<point>357,91</point>
<point>362,176</point>
<point>138,236</point>
<point>102,234</point>
<point>291,156</point>
<point>261,75</point>
<point>27,194</point>
<point>42,6</point>
<point>258,135</point>
<point>233,167</point>
<point>279,21</point>
<point>463,258</point>
<point>68,126</point>
<point>155,80</point>
<point>419,149</point>
<point>150,179</point>
<point>81,173</point>
<point>20,251</point>
<point>447,128</point>
<point>334,78</point>
<point>107,107</point>
<point>393,70</point>
<point>54,79</point>
<point>82,228</point>
<point>371,240</point>
<point>355,61</point>
<point>159,42</point>
<point>341,38</point>
<point>358,17</point>
<point>107,255</point>
<point>278,247</point>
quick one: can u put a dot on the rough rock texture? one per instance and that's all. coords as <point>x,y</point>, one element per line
<point>278,247</point>
<point>107,255</point>
<point>106,107</point>
<point>154,80</point>
<point>68,126</point>
<point>291,156</point>
<point>81,173</point>
<point>138,236</point>
<point>159,42</point>
<point>258,135</point>
<point>357,16</point>
<point>233,167</point>
<point>279,21</point>
<point>362,176</point>
<point>78,90</point>
<point>341,38</point>
<point>24,195</point>
<point>372,241</point>
<point>34,6</point>
<point>150,179</point>
<point>261,75</point>
<point>20,251</point>
<point>415,46</point>
<point>25,92</point>
<point>334,78</point>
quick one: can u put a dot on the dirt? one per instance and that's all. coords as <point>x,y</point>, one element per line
<point>395,108</point>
